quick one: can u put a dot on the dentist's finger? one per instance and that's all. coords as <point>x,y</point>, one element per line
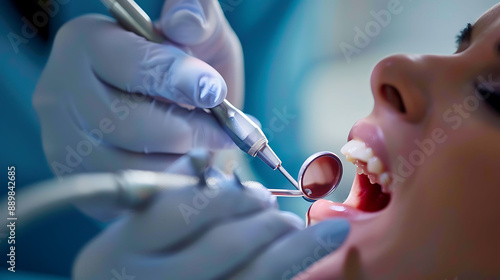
<point>185,22</point>
<point>130,63</point>
<point>194,164</point>
<point>228,246</point>
<point>179,215</point>
<point>191,23</point>
<point>131,124</point>
<point>151,126</point>
<point>295,252</point>
<point>203,28</point>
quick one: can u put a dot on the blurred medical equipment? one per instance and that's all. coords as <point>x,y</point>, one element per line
<point>130,189</point>
<point>133,189</point>
<point>243,131</point>
<point>202,216</point>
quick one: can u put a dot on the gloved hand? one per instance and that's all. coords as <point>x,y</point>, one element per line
<point>221,230</point>
<point>106,96</point>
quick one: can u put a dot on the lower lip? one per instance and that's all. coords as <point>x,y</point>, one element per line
<point>369,201</point>
<point>325,209</point>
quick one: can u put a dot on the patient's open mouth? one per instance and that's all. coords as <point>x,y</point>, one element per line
<point>371,189</point>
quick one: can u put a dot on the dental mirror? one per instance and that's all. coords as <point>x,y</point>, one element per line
<point>318,177</point>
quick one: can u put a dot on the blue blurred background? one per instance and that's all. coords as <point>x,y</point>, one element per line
<point>305,90</point>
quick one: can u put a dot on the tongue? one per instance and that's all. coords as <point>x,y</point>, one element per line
<point>371,197</point>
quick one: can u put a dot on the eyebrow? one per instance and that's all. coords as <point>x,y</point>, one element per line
<point>465,35</point>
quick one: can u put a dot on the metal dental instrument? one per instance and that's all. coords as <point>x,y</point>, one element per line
<point>111,193</point>
<point>106,192</point>
<point>243,131</point>
<point>319,176</point>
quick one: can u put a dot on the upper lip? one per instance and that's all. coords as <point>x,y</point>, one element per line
<point>373,136</point>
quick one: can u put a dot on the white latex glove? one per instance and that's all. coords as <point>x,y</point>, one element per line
<point>222,230</point>
<point>105,96</point>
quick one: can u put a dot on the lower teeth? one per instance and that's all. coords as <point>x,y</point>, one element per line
<point>372,178</point>
<point>360,170</point>
<point>382,179</point>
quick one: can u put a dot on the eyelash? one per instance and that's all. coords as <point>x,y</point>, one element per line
<point>490,95</point>
<point>464,34</point>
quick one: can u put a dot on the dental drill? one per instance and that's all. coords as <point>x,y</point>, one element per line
<point>108,192</point>
<point>243,131</point>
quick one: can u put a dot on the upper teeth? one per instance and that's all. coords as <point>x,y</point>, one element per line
<point>363,157</point>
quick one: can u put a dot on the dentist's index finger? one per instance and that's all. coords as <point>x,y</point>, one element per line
<point>285,258</point>
<point>132,64</point>
<point>229,246</point>
<point>179,215</point>
<point>148,126</point>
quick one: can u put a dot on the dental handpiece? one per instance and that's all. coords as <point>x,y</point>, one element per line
<point>241,129</point>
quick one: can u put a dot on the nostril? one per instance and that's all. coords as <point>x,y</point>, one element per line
<point>393,97</point>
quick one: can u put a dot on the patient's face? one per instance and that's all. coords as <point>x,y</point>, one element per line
<point>436,129</point>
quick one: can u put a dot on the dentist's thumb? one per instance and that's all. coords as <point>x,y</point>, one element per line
<point>190,22</point>
<point>297,251</point>
<point>200,28</point>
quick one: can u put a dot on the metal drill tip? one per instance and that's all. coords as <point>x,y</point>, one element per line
<point>288,177</point>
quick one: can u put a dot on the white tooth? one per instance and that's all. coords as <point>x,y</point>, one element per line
<point>349,158</point>
<point>359,170</point>
<point>373,179</point>
<point>363,154</point>
<point>375,165</point>
<point>390,188</point>
<point>384,179</point>
<point>386,189</point>
<point>357,149</point>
